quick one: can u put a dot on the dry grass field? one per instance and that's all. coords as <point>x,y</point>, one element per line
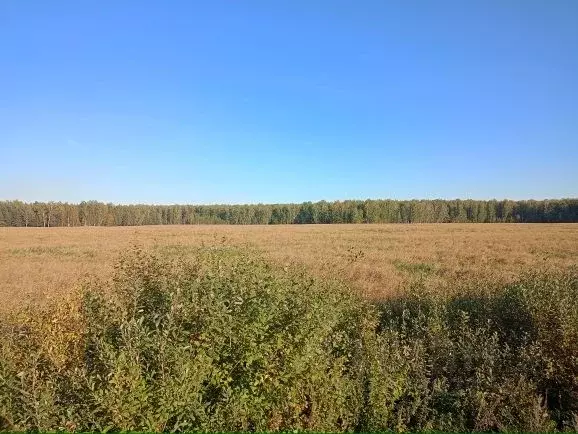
<point>464,328</point>
<point>36,263</point>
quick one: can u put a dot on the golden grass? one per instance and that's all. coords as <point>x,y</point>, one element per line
<point>36,263</point>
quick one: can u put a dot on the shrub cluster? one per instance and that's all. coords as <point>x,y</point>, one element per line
<point>228,342</point>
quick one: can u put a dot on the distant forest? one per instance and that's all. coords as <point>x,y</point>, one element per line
<point>92,213</point>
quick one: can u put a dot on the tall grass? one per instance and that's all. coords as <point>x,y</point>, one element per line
<point>227,342</point>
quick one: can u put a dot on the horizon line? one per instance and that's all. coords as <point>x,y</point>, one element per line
<point>285,203</point>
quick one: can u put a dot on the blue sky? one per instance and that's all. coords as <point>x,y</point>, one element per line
<point>287,101</point>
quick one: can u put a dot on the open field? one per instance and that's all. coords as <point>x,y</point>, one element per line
<point>217,339</point>
<point>375,259</point>
<point>262,328</point>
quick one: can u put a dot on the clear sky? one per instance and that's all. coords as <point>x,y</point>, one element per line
<point>286,101</point>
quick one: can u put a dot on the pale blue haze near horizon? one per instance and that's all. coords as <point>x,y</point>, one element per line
<point>287,101</point>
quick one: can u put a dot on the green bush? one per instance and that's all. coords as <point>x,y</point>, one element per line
<point>220,343</point>
<point>228,342</point>
<point>506,361</point>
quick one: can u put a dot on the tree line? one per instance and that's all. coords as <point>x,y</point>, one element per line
<point>93,213</point>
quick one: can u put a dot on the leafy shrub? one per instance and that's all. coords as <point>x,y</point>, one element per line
<point>220,343</point>
<point>227,342</point>
<point>504,361</point>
